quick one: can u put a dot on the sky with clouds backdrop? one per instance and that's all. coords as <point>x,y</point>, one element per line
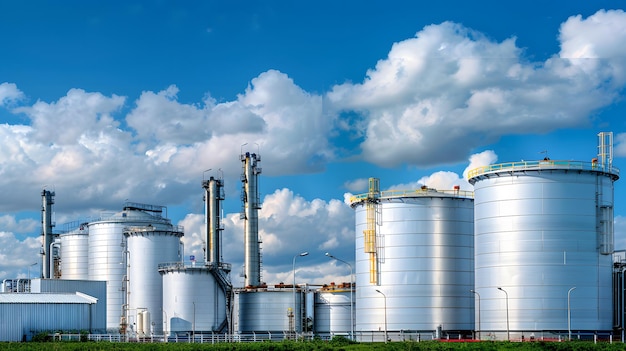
<point>111,101</point>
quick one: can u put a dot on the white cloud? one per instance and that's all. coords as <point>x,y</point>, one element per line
<point>451,89</point>
<point>620,145</point>
<point>357,185</point>
<point>9,94</point>
<point>18,255</point>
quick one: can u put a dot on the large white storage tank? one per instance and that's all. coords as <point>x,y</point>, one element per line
<point>331,310</point>
<point>75,253</point>
<point>193,301</point>
<point>147,248</point>
<point>267,310</point>
<point>107,256</point>
<point>414,262</point>
<point>543,242</point>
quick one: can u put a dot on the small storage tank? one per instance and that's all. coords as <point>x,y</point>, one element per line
<point>193,300</point>
<point>414,262</point>
<point>543,240</point>
<point>265,310</point>
<point>148,247</point>
<point>75,254</point>
<point>106,252</point>
<point>332,309</point>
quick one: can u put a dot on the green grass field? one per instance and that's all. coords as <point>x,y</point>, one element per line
<point>333,345</point>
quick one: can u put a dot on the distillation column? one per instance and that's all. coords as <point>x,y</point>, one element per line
<point>251,205</point>
<point>47,198</point>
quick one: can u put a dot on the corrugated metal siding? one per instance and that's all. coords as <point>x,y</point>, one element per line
<point>93,288</point>
<point>21,320</point>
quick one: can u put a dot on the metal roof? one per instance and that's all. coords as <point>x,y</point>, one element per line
<point>46,298</point>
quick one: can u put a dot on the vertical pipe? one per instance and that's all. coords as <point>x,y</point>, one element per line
<point>212,197</point>
<point>251,205</point>
<point>47,198</point>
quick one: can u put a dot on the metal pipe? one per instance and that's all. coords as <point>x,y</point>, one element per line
<point>251,205</point>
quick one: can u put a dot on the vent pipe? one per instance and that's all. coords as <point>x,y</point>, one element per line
<point>213,196</point>
<point>251,205</point>
<point>47,199</point>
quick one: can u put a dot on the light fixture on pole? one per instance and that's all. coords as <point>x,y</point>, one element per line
<point>569,315</point>
<point>293,268</point>
<point>351,295</point>
<point>477,294</point>
<point>29,269</point>
<point>508,335</point>
<point>385,307</point>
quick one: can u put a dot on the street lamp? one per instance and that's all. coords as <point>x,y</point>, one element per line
<point>569,315</point>
<point>29,269</point>
<point>351,298</point>
<point>385,306</point>
<point>477,294</point>
<point>293,268</point>
<point>508,335</point>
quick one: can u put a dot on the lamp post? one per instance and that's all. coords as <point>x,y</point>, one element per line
<point>293,268</point>
<point>477,294</point>
<point>385,307</point>
<point>569,315</point>
<point>508,335</point>
<point>351,296</point>
<point>29,269</point>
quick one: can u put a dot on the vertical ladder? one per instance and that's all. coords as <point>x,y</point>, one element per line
<point>369,234</point>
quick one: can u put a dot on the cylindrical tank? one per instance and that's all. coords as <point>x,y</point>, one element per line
<point>106,252</point>
<point>74,254</point>
<point>414,261</point>
<point>192,300</point>
<point>263,310</point>
<point>543,244</point>
<point>332,310</point>
<point>147,248</point>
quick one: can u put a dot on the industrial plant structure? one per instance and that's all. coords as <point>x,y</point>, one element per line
<point>528,254</point>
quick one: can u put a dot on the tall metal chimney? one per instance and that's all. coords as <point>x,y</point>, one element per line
<point>47,199</point>
<point>213,196</point>
<point>251,205</point>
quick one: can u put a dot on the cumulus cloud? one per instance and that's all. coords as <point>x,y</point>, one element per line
<point>18,255</point>
<point>451,89</point>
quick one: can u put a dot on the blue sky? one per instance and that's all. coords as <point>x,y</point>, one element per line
<point>133,100</point>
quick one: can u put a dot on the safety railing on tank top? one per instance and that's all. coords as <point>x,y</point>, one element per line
<point>543,164</point>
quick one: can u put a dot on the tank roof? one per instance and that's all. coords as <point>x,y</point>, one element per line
<point>541,165</point>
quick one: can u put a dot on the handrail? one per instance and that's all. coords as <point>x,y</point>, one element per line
<point>543,164</point>
<point>390,194</point>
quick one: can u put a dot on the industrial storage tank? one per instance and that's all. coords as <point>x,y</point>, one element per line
<point>106,252</point>
<point>414,262</point>
<point>75,253</point>
<point>149,246</point>
<point>270,310</point>
<point>543,245</point>
<point>332,309</point>
<point>193,300</point>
